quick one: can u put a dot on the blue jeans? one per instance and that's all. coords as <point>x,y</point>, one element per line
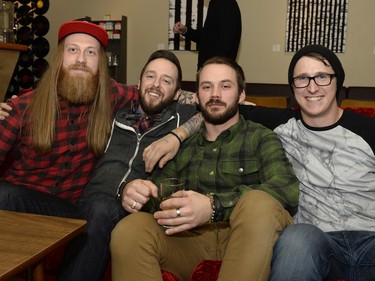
<point>20,199</point>
<point>87,255</point>
<point>304,252</point>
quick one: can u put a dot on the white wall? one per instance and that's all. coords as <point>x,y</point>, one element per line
<point>263,25</point>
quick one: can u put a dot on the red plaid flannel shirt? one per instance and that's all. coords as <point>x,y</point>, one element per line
<point>68,167</point>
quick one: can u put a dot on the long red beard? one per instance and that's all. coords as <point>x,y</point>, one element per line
<point>78,89</point>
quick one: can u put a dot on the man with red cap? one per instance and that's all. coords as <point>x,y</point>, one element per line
<point>58,131</point>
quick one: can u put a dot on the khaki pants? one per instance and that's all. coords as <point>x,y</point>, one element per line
<point>140,249</point>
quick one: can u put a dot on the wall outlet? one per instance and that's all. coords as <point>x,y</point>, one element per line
<point>276,48</point>
<point>161,46</point>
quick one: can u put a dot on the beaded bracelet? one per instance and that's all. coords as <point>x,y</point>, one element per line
<point>212,202</point>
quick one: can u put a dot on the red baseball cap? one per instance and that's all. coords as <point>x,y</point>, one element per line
<point>76,26</point>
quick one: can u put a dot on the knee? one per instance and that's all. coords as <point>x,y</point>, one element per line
<point>132,227</point>
<point>259,211</point>
<point>260,204</point>
<point>8,194</point>
<point>93,206</point>
<point>101,206</point>
<point>301,237</point>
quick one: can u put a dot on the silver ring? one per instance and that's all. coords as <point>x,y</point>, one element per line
<point>178,212</point>
<point>134,204</point>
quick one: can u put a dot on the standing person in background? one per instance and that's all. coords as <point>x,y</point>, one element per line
<point>221,33</point>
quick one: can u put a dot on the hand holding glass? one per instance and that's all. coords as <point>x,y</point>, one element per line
<point>168,187</point>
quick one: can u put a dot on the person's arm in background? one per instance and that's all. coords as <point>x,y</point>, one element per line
<point>179,28</point>
<point>187,32</point>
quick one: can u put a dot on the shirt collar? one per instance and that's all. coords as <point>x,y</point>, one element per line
<point>226,135</point>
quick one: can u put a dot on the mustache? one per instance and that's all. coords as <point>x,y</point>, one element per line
<point>215,101</point>
<point>79,66</point>
<point>153,89</point>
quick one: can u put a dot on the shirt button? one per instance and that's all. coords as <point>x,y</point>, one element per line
<point>240,170</point>
<point>212,173</point>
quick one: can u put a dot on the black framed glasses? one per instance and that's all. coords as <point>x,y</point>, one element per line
<point>323,79</point>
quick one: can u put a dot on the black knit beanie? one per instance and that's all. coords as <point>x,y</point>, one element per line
<point>327,54</point>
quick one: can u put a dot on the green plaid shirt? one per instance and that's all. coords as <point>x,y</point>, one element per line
<point>245,157</point>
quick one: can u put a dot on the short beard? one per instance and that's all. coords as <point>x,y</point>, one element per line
<point>150,109</point>
<point>215,118</point>
<point>78,89</point>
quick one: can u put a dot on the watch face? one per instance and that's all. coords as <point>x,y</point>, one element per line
<point>40,25</point>
<point>40,6</point>
<point>25,78</point>
<point>24,15</point>
<point>26,58</point>
<point>39,66</point>
<point>25,36</point>
<point>40,47</point>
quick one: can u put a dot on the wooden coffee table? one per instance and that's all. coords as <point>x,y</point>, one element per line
<point>25,239</point>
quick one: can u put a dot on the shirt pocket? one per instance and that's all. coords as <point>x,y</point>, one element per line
<point>240,172</point>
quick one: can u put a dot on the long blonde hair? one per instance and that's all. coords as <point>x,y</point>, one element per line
<point>43,110</point>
